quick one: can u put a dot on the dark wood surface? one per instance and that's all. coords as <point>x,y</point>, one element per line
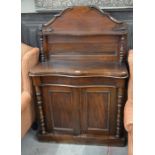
<point>30,22</point>
<point>80,82</point>
<point>84,32</point>
<point>80,68</point>
<point>83,139</point>
<point>83,19</point>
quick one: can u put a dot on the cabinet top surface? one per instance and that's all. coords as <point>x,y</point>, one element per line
<point>83,69</point>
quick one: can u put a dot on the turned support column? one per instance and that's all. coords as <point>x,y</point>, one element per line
<point>39,105</point>
<point>122,49</point>
<point>40,110</point>
<point>120,103</point>
<point>42,54</point>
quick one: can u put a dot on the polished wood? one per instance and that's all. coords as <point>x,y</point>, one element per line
<point>85,32</point>
<point>83,139</point>
<point>78,67</point>
<point>42,54</point>
<point>80,82</point>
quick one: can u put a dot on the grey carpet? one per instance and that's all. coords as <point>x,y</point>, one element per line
<point>31,146</point>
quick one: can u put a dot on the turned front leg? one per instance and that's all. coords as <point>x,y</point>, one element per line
<point>120,103</point>
<point>39,104</point>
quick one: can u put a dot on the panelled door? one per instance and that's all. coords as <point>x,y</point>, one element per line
<point>88,110</point>
<point>98,110</point>
<point>61,106</point>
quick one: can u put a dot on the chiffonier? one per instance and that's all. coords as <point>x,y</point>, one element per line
<point>80,82</point>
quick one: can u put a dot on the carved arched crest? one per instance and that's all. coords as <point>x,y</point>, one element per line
<point>83,19</point>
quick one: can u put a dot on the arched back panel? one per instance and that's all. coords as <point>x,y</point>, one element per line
<point>84,32</point>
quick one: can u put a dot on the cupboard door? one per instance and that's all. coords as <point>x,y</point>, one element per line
<point>98,110</point>
<point>61,106</point>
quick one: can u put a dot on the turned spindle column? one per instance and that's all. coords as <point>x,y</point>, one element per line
<point>122,49</point>
<point>40,110</point>
<point>120,101</point>
<point>42,54</point>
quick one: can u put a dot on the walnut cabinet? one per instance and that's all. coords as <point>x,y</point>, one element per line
<point>80,82</point>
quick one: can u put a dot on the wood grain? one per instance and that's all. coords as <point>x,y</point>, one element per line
<point>82,78</point>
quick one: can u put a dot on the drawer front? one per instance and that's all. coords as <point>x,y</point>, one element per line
<point>81,81</point>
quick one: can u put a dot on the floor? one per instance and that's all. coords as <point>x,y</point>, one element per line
<point>30,146</point>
